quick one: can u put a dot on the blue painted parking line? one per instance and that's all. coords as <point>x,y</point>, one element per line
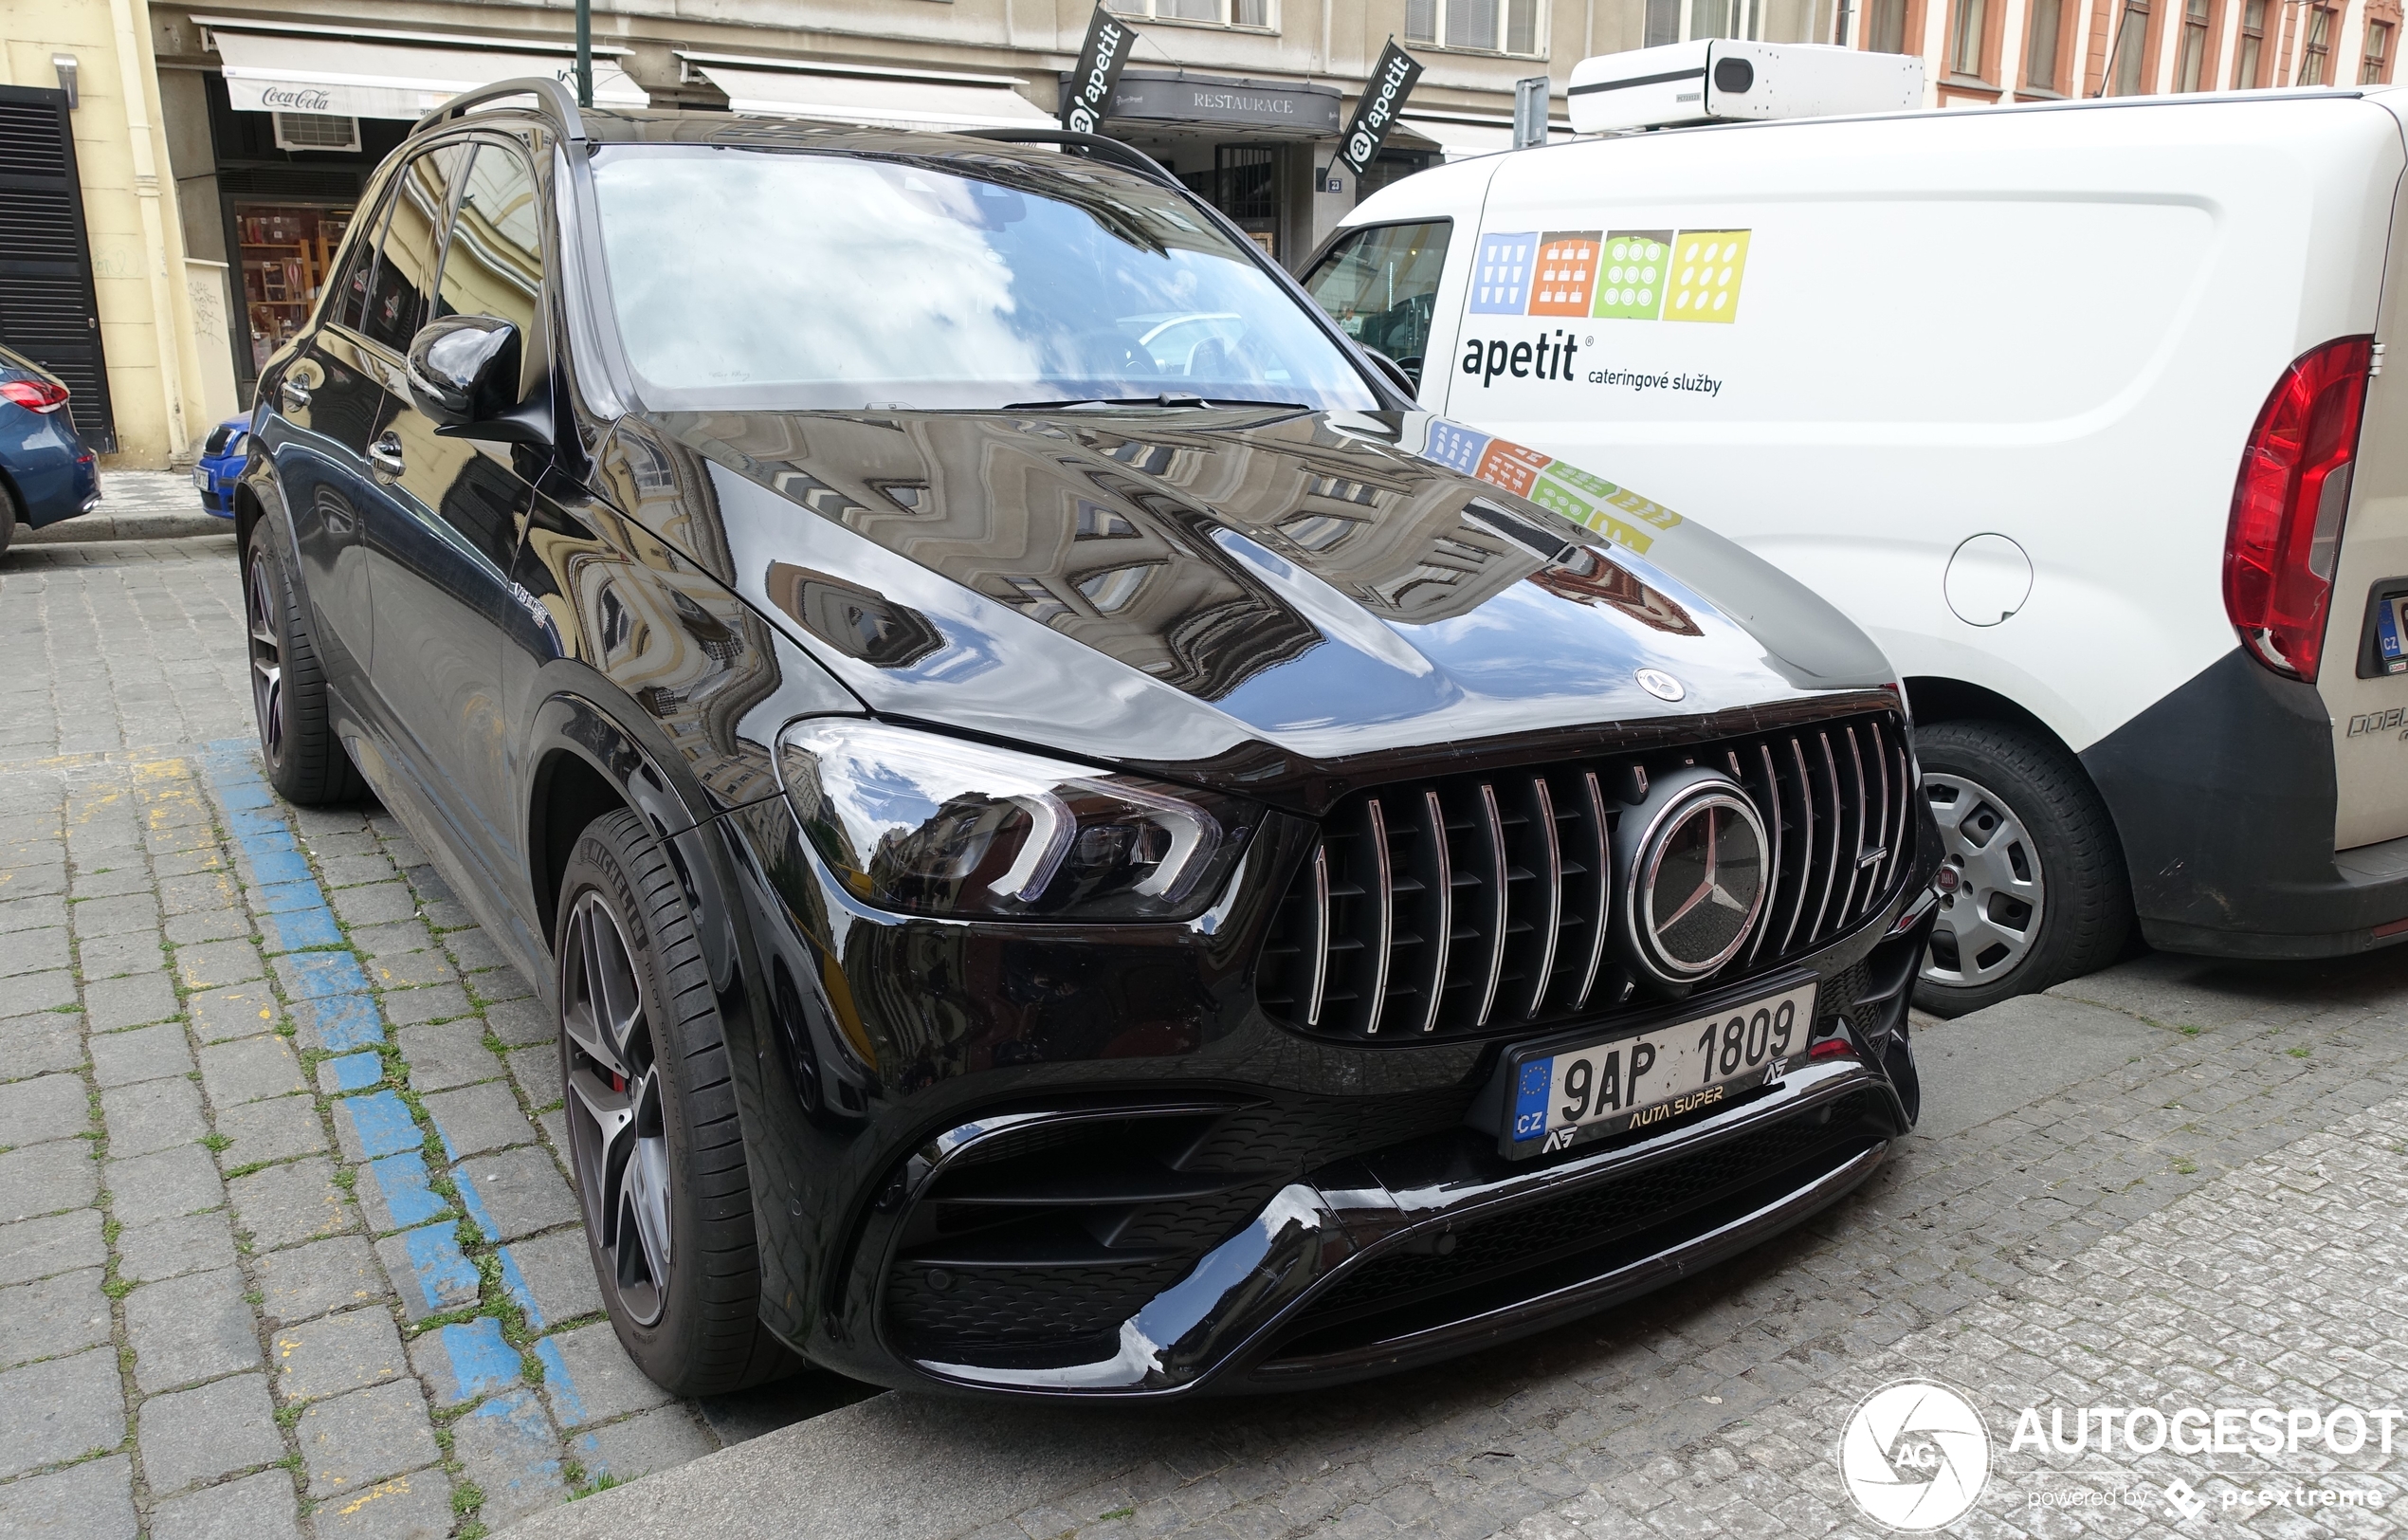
<point>280,865</point>
<point>242,795</point>
<point>514,1284</point>
<point>335,973</point>
<point>520,1442</point>
<point>284,897</point>
<point>382,1122</point>
<point>274,841</point>
<point>355,1072</point>
<point>244,824</point>
<point>474,1202</point>
<point>438,1273</point>
<point>347,1022</point>
<point>559,1384</point>
<point>472,1359</point>
<point>300,930</point>
<point>408,1196</point>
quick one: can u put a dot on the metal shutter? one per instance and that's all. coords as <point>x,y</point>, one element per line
<point>46,308</point>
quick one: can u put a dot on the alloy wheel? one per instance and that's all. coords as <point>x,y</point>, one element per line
<point>267,655</point>
<point>1989,924</point>
<point>615,1102</point>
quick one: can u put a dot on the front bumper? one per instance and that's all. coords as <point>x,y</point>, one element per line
<point>1438,1246</point>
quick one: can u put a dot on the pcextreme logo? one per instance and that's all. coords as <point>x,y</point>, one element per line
<point>1552,483</point>
<point>1612,275</point>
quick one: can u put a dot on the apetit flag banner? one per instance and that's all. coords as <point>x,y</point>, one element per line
<point>1376,114</point>
<point>1101,60</point>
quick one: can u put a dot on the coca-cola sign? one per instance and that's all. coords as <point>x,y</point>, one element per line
<point>296,98</point>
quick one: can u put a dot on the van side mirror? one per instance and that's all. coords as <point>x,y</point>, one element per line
<point>1405,379</point>
<point>463,375</point>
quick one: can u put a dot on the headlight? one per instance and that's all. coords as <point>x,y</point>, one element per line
<point>932,825</point>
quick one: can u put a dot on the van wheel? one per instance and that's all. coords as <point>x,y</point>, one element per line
<point>2043,896</point>
<point>288,688</point>
<point>653,1139</point>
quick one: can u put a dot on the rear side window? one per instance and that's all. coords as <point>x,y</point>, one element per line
<point>1381,284</point>
<point>351,290</point>
<point>397,297</point>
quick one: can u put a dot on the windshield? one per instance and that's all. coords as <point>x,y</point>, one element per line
<point>1381,284</point>
<point>753,278</point>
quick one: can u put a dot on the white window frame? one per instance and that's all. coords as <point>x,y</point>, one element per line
<point>1160,10</point>
<point>1494,44</point>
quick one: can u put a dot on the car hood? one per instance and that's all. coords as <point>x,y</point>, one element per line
<point>1262,597</point>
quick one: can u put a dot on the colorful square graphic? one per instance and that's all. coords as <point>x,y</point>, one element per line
<point>1567,271</point>
<point>1501,277</point>
<point>1458,449</point>
<point>1511,466</point>
<point>1705,277</point>
<point>1631,284</point>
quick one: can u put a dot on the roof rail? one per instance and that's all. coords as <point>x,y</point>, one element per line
<point>1094,146</point>
<point>558,103</point>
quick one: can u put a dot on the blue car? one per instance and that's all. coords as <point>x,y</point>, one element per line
<point>45,472</point>
<point>221,462</point>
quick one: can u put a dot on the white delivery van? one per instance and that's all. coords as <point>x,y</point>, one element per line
<point>2062,403</point>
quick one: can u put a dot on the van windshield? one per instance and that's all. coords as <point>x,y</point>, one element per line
<point>1381,284</point>
<point>756,277</point>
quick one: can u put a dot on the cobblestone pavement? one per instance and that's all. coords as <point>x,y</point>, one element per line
<point>285,1235</point>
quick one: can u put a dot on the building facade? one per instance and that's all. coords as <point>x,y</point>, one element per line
<point>218,151</point>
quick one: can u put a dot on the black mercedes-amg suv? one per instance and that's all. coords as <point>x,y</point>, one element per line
<point>1075,849</point>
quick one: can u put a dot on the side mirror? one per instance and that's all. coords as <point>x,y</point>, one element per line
<point>1407,381</point>
<point>464,375</point>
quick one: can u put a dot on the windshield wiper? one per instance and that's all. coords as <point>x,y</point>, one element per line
<point>1166,399</point>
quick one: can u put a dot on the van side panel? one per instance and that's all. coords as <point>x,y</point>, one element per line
<point>1950,368</point>
<point>2369,714</point>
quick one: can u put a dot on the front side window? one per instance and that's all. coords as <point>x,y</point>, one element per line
<point>2373,67</point>
<point>398,295</point>
<point>1381,285</point>
<point>1494,25</point>
<point>493,265</point>
<point>745,278</point>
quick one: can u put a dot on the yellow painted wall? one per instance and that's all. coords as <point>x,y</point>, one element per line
<point>156,383</point>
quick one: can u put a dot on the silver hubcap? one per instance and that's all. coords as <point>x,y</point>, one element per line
<point>1988,924</point>
<point>268,656</point>
<point>614,1106</point>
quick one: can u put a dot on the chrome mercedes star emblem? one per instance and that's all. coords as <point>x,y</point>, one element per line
<point>1709,886</point>
<point>1697,849</point>
<point>1661,685</point>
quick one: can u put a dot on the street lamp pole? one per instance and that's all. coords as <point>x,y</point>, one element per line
<point>585,53</point>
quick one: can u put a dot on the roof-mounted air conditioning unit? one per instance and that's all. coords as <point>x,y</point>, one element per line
<point>1726,79</point>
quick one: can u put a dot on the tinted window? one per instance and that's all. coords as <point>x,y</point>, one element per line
<point>1381,285</point>
<point>397,295</point>
<point>360,265</point>
<point>742,277</point>
<point>494,264</point>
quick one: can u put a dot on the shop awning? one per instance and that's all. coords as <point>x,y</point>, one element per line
<point>381,75</point>
<point>1462,138</point>
<point>875,98</point>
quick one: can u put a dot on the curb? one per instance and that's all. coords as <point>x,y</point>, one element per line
<point>123,526</point>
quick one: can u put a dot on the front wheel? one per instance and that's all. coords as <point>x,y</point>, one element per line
<point>2042,896</point>
<point>653,1137</point>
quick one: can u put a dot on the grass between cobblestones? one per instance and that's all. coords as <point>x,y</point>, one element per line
<point>243,1286</point>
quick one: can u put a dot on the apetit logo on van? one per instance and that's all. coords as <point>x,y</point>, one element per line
<point>1612,275</point>
<point>1555,485</point>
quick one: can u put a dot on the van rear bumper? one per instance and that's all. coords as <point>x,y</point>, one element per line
<point>2223,794</point>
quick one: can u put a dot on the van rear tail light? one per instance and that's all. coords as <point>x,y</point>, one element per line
<point>2287,504</point>
<point>34,395</point>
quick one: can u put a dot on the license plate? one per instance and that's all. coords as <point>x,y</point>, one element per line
<point>1560,1098</point>
<point>200,477</point>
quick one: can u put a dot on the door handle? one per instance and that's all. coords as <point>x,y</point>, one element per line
<point>384,455</point>
<point>296,395</point>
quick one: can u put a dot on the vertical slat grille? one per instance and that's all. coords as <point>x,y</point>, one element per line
<point>1482,903</point>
